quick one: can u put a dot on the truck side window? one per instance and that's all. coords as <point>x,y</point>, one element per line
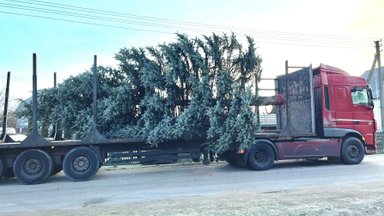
<point>360,96</point>
<point>326,97</point>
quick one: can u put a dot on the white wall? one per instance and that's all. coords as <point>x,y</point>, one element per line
<point>376,112</point>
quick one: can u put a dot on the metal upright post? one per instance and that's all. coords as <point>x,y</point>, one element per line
<point>34,139</point>
<point>34,95</point>
<point>94,135</point>
<point>54,127</point>
<point>257,96</point>
<point>94,91</point>
<point>287,95</point>
<point>54,80</point>
<point>380,83</point>
<point>5,113</point>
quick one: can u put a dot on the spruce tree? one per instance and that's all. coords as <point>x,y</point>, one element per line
<point>192,88</point>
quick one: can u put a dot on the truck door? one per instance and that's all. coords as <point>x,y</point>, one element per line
<point>342,107</point>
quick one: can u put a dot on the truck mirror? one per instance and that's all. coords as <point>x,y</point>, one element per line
<point>370,98</point>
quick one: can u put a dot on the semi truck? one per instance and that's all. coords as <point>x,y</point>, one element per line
<point>326,113</point>
<point>321,113</point>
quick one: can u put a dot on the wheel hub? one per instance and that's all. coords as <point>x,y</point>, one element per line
<point>353,151</point>
<point>33,166</point>
<point>260,155</point>
<point>81,163</point>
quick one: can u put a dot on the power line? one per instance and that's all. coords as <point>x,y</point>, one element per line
<point>81,22</point>
<point>112,13</point>
<point>77,15</point>
<point>108,17</point>
<point>108,12</point>
<point>156,19</point>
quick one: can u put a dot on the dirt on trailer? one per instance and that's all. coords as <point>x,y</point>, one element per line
<point>297,188</point>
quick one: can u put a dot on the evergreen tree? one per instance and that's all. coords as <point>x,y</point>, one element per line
<point>193,88</point>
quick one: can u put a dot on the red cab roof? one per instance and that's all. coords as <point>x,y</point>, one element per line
<point>331,69</point>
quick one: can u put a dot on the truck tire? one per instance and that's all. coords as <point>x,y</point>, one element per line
<point>261,156</point>
<point>81,163</point>
<point>352,151</point>
<point>33,166</point>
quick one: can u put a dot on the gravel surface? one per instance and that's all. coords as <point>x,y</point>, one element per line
<point>290,188</point>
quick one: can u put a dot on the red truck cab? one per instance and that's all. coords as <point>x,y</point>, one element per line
<point>326,113</point>
<point>343,104</point>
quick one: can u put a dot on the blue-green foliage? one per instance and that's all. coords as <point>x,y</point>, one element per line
<point>189,89</point>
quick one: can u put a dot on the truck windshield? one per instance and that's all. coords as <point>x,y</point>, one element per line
<point>360,96</point>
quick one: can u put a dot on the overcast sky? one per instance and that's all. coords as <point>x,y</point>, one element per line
<point>65,37</point>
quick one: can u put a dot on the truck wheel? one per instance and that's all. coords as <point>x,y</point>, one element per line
<point>261,156</point>
<point>81,163</point>
<point>33,166</point>
<point>352,151</point>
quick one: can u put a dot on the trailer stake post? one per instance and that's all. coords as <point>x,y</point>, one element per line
<point>34,139</point>
<point>4,136</point>
<point>94,136</point>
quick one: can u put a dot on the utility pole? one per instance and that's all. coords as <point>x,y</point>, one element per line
<point>380,83</point>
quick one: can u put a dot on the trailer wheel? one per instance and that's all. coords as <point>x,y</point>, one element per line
<point>261,156</point>
<point>352,151</point>
<point>81,163</point>
<point>33,166</point>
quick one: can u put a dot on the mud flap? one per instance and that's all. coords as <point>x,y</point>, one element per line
<point>242,159</point>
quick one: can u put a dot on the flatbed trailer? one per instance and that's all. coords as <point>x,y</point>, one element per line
<point>81,160</point>
<point>36,158</point>
<point>322,116</point>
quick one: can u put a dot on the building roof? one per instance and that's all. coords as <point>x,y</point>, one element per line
<point>373,81</point>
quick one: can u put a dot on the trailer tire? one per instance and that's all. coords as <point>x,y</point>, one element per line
<point>81,163</point>
<point>261,156</point>
<point>33,166</point>
<point>352,151</point>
